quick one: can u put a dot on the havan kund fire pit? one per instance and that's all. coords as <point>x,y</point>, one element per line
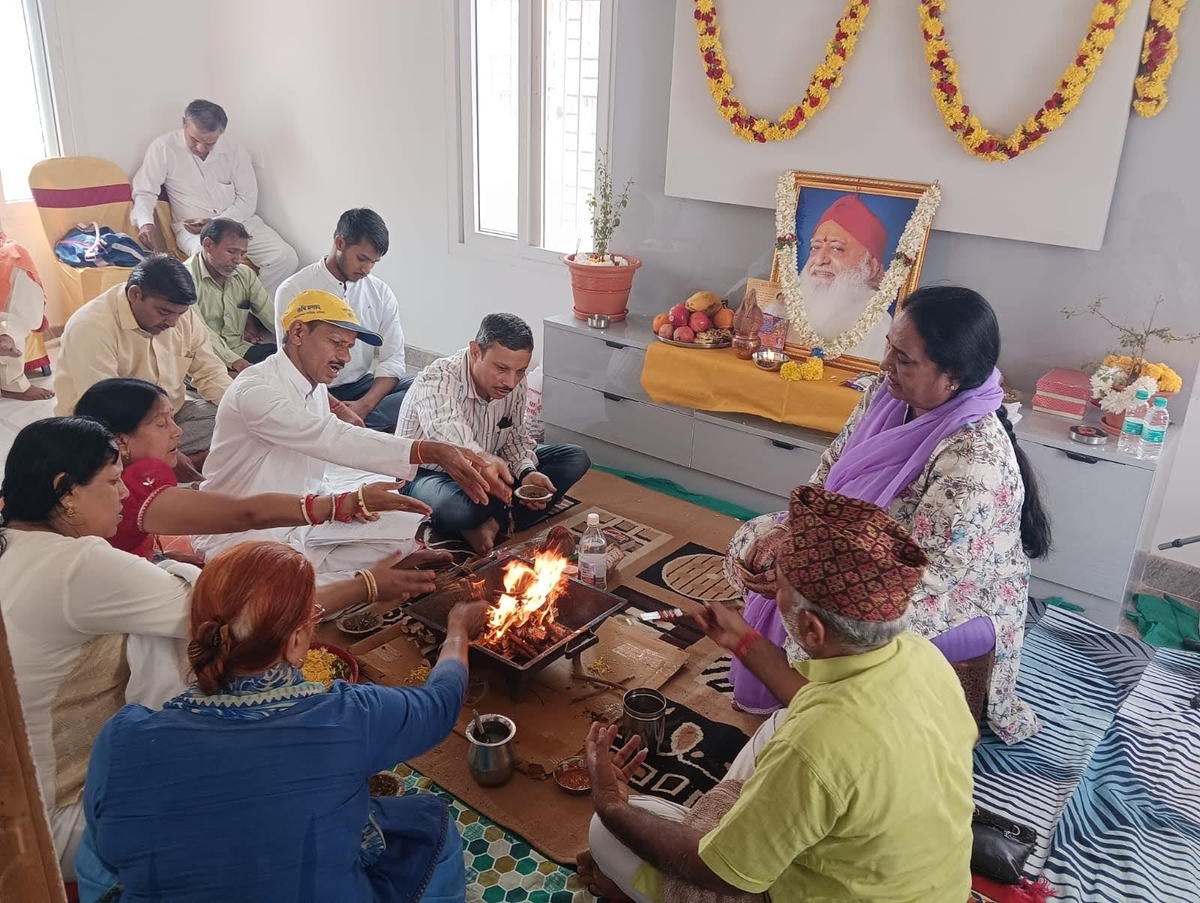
<point>538,613</point>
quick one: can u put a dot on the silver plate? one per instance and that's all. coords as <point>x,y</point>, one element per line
<point>726,344</point>
<point>1088,435</point>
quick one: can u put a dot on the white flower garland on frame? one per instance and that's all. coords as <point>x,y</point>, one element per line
<point>786,199</point>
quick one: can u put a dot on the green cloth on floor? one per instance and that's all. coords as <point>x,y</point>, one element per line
<point>673,489</point>
<point>1164,622</point>
<point>1058,602</point>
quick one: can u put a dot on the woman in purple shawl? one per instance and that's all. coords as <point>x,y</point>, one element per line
<point>932,445</point>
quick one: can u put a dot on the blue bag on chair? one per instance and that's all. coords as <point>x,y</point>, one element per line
<point>98,246</point>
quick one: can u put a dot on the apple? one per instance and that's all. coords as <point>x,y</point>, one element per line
<point>684,334</point>
<point>679,315</point>
<point>666,330</point>
<point>699,321</point>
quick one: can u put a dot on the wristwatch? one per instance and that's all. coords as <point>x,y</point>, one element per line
<point>524,473</point>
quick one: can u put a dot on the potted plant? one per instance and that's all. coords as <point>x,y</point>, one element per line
<point>1119,377</point>
<point>600,281</point>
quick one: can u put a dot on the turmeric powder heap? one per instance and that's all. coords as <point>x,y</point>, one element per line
<point>418,675</point>
<point>323,666</point>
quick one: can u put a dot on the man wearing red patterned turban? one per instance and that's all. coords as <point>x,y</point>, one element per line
<point>844,268</point>
<point>823,801</point>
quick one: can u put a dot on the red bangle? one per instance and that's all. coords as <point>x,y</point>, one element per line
<point>337,509</point>
<point>746,642</point>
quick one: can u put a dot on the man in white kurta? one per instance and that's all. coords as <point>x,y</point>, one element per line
<point>275,432</point>
<point>373,389</point>
<point>207,176</point>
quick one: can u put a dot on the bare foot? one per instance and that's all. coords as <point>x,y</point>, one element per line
<point>483,538</point>
<point>8,348</point>
<point>33,393</point>
<point>596,881</point>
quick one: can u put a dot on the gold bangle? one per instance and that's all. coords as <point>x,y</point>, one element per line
<point>372,586</point>
<point>417,452</point>
<point>304,510</point>
<point>362,502</point>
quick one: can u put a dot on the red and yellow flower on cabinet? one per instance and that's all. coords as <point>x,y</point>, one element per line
<point>1160,48</point>
<point>828,75</point>
<point>966,125</point>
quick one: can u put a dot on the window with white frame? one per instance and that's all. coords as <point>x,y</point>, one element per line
<point>533,104</point>
<point>28,133</point>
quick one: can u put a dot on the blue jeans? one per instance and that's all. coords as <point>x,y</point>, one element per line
<point>454,512</point>
<point>386,414</point>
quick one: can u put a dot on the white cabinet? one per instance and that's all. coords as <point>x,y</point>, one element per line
<point>1102,504</point>
<point>646,428</point>
<point>1096,513</point>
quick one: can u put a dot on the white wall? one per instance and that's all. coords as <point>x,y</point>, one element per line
<point>882,122</point>
<point>122,72</point>
<point>350,111</point>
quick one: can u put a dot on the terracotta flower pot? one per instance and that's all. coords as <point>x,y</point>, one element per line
<point>601,289</point>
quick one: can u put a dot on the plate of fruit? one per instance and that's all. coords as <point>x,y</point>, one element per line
<point>702,321</point>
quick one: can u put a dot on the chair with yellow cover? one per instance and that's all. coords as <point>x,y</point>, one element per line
<point>72,190</point>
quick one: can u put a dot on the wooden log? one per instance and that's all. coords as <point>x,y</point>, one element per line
<point>557,632</point>
<point>519,645</point>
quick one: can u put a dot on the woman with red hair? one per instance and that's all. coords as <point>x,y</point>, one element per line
<point>252,785</point>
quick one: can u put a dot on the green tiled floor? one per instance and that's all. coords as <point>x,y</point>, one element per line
<point>501,866</point>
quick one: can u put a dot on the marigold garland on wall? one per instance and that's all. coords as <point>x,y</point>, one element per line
<point>967,128</point>
<point>907,249</point>
<point>1160,48</point>
<point>828,75</point>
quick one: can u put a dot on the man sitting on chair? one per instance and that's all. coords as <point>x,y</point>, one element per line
<point>207,176</point>
<point>476,398</point>
<point>861,789</point>
<point>230,298</point>
<point>373,391</point>
<point>147,328</point>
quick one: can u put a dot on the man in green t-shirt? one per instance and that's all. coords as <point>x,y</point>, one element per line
<point>861,789</point>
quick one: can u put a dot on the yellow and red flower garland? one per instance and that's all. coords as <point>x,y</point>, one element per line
<point>828,75</point>
<point>970,132</point>
<point>1160,47</point>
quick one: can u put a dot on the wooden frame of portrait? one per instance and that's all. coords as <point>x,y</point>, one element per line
<point>855,185</point>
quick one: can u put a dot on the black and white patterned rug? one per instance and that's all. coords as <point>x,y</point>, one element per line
<point>695,754</point>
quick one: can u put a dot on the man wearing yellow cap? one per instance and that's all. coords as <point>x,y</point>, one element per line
<point>275,432</point>
<point>860,790</point>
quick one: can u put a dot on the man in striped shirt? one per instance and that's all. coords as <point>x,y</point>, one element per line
<point>475,398</point>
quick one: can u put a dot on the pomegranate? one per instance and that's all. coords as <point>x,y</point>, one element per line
<point>666,330</point>
<point>679,315</point>
<point>684,334</point>
<point>699,321</point>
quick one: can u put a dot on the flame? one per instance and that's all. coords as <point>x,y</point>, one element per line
<point>529,596</point>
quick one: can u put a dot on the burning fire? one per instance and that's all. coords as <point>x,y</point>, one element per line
<point>528,601</point>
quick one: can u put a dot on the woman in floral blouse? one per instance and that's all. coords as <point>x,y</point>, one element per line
<point>931,443</point>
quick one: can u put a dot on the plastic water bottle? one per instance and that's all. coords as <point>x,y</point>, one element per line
<point>593,554</point>
<point>1155,431</point>
<point>1130,441</point>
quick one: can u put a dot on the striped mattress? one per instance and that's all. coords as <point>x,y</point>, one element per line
<point>1111,784</point>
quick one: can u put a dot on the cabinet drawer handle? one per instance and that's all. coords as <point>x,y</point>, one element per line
<point>784,445</point>
<point>1082,459</point>
<point>614,344</point>
<point>612,397</point>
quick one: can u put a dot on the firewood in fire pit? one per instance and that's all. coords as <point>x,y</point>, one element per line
<point>557,631</point>
<point>519,645</point>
